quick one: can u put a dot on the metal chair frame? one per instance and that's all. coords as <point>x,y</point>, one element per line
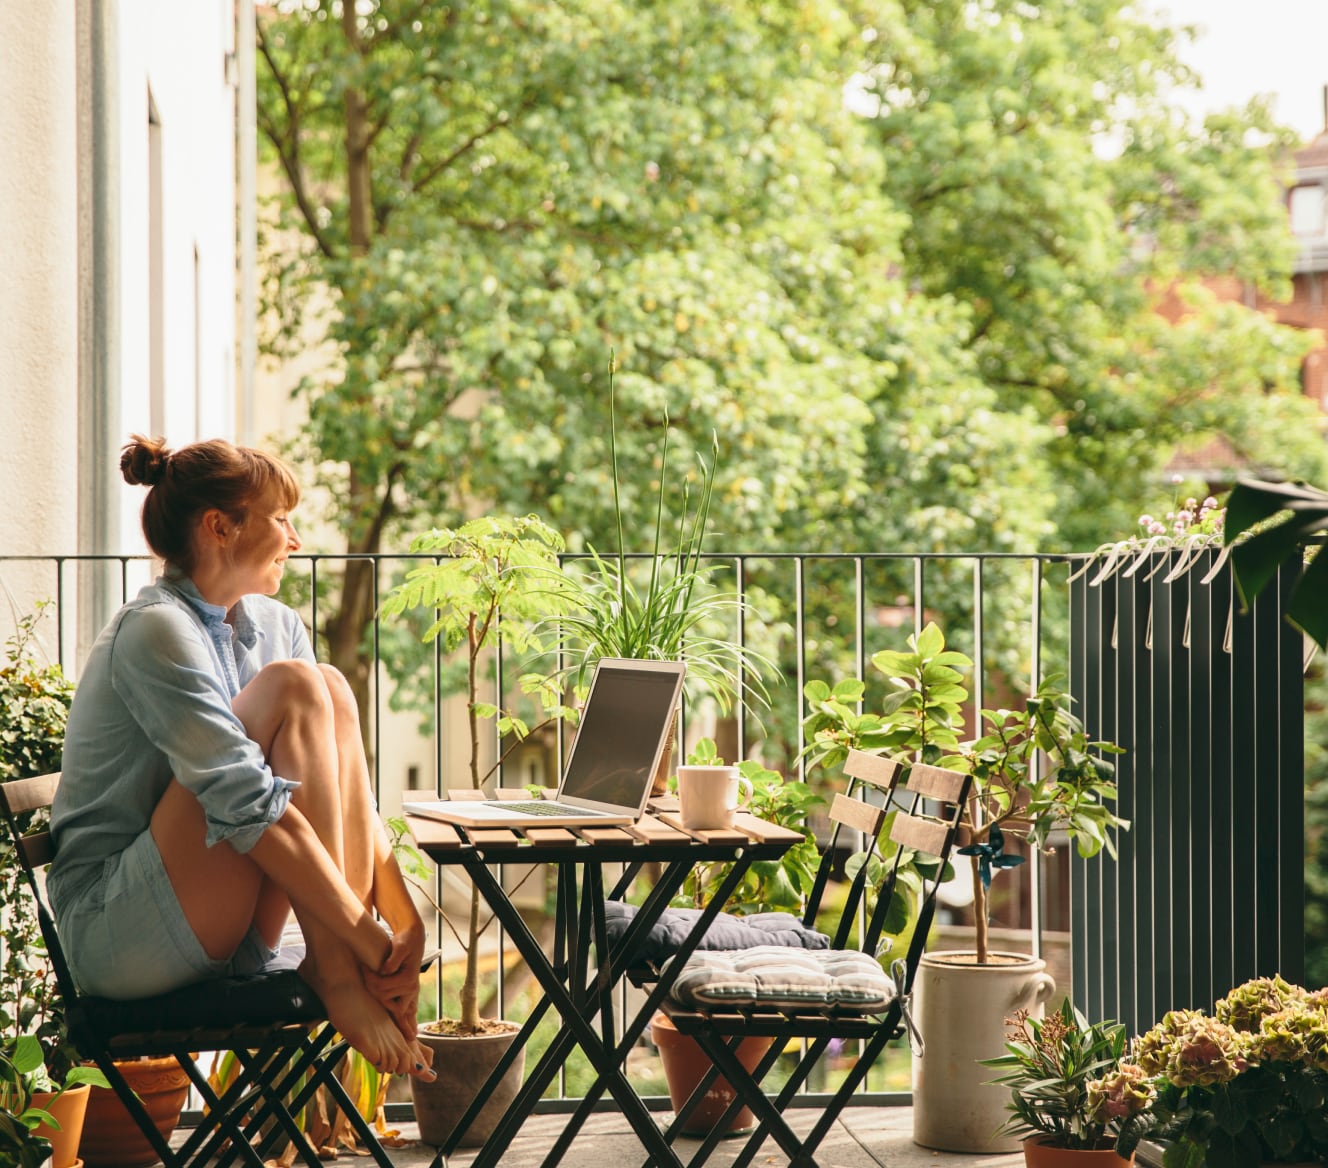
<point>274,1022</point>
<point>905,821</point>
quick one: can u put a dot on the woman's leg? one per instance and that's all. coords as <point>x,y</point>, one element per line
<point>290,711</point>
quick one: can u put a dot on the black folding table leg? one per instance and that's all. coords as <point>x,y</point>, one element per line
<point>601,1058</point>
<point>564,966</point>
<point>674,875</point>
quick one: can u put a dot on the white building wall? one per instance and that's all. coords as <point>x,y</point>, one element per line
<point>38,293</point>
<point>170,237</point>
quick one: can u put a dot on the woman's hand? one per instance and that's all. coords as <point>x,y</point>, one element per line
<point>396,983</point>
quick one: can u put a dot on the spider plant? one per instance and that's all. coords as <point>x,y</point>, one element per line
<point>669,608</point>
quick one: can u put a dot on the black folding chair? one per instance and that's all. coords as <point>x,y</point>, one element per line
<point>719,1029</point>
<point>274,1023</point>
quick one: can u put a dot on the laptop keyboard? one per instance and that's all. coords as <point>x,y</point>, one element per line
<point>543,807</point>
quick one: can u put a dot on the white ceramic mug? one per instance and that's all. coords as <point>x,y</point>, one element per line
<point>708,795</point>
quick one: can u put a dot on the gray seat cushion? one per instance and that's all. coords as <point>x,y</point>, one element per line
<point>781,978</point>
<point>725,932</point>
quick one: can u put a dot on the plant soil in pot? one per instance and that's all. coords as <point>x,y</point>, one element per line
<point>1040,1154</point>
<point>961,1010</point>
<point>111,1138</point>
<point>686,1064</point>
<point>463,1063</point>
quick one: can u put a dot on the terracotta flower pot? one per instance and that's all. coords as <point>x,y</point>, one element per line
<point>69,1111</point>
<point>463,1064</point>
<point>686,1064</point>
<point>1040,1154</point>
<point>111,1138</point>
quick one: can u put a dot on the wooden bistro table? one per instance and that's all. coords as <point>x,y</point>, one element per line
<point>577,988</point>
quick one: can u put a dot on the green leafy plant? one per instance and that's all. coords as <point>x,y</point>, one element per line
<point>769,885</point>
<point>491,572</point>
<point>1246,1085</point>
<point>677,614</point>
<point>1035,769</point>
<point>20,1145</point>
<point>1271,524</point>
<point>34,706</point>
<point>1068,1086</point>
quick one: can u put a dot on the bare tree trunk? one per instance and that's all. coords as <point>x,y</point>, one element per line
<point>979,909</point>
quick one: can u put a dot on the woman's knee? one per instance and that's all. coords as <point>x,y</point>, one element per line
<point>281,694</point>
<point>344,706</point>
<point>295,681</point>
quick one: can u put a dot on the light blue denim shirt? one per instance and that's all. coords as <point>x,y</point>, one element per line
<point>154,701</point>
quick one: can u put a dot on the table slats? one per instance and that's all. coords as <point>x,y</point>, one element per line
<point>493,837</point>
<point>606,835</point>
<point>650,830</point>
<point>705,835</point>
<point>763,832</point>
<point>434,833</point>
<point>559,837</point>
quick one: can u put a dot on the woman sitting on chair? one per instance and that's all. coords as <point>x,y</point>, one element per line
<point>214,777</point>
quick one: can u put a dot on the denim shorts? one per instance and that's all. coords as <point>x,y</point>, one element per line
<point>127,936</point>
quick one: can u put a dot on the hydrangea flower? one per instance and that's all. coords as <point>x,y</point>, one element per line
<point>1125,1092</point>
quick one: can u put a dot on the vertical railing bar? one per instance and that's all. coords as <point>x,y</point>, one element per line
<point>740,703</point>
<point>377,582</point>
<point>919,597</point>
<point>979,647</point>
<point>800,656</point>
<point>314,562</point>
<point>438,788</point>
<point>1035,764</point>
<point>499,780</point>
<point>60,613</point>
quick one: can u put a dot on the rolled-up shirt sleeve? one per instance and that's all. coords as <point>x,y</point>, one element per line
<point>162,668</point>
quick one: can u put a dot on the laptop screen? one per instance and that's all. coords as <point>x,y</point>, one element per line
<point>627,715</point>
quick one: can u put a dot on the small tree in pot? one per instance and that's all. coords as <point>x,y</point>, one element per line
<point>921,718</point>
<point>491,572</point>
<point>1036,771</point>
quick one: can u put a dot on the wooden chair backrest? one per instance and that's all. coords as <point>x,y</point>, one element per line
<point>23,795</point>
<point>905,791</point>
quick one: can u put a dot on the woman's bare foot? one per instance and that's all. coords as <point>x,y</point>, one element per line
<point>363,1022</point>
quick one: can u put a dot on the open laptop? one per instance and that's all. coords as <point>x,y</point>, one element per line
<point>625,725</point>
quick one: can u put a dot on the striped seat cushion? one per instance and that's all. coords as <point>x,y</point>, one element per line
<point>783,978</point>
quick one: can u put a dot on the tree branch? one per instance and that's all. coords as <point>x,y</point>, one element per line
<point>288,147</point>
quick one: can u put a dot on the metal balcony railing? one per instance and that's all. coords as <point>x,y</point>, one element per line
<point>823,615</point>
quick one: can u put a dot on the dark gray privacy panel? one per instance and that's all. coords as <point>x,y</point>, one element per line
<point>1208,890</point>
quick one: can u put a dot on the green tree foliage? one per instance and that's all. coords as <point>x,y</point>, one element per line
<point>919,318</point>
<point>1052,193</point>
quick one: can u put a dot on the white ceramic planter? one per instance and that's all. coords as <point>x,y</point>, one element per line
<point>961,1008</point>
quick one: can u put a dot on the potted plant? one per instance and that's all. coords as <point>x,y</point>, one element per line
<point>1035,771</point>
<point>676,614</point>
<point>1247,1084</point>
<point>21,1144</point>
<point>1073,1104</point>
<point>781,885</point>
<point>489,572</point>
